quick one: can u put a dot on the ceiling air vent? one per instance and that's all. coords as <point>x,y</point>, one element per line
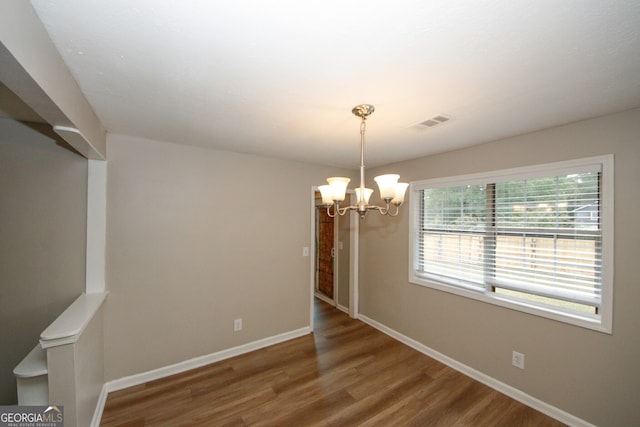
<point>434,121</point>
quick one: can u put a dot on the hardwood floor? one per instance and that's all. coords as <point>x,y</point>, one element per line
<point>344,374</point>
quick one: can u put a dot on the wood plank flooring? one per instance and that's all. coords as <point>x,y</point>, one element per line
<point>344,374</point>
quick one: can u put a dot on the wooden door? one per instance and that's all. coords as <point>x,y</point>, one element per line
<point>325,253</point>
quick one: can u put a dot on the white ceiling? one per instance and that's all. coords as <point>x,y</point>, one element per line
<point>280,77</point>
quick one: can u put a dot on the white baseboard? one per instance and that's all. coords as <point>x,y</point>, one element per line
<point>187,365</point>
<point>97,413</point>
<point>343,308</point>
<point>324,298</point>
<point>506,389</point>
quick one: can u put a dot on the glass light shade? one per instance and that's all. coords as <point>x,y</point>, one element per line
<point>387,185</point>
<point>338,187</point>
<point>367,195</point>
<point>327,195</point>
<point>401,189</point>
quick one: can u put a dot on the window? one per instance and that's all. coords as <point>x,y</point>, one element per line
<point>536,239</point>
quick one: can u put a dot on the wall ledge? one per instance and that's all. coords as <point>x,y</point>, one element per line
<point>33,365</point>
<point>68,327</point>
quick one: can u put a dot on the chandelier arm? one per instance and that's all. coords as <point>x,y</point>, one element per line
<point>329,212</point>
<point>342,211</point>
<point>380,209</point>
<point>386,210</point>
<point>393,214</point>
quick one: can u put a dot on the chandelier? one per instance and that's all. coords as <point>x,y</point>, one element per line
<point>391,191</point>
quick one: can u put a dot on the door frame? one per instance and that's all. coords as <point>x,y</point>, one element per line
<point>354,252</point>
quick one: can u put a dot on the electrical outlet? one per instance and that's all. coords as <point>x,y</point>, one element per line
<point>517,359</point>
<point>237,325</point>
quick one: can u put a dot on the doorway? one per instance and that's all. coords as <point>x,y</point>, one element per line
<point>335,245</point>
<point>325,255</point>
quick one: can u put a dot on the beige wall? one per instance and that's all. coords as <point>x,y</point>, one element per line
<point>196,238</point>
<point>43,205</point>
<point>592,375</point>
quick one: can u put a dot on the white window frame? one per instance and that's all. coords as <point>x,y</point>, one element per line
<point>602,321</point>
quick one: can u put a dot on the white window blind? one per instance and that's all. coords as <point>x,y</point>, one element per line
<point>543,244</point>
<point>532,236</point>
